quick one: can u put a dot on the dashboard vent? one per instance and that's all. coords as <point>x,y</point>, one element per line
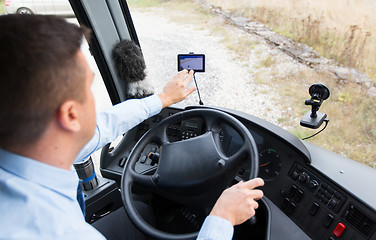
<point>359,220</point>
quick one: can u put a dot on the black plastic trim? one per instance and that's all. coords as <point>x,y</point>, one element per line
<point>96,51</point>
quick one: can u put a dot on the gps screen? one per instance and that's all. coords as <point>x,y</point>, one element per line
<point>195,62</point>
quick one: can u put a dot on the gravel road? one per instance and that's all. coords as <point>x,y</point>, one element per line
<point>227,82</point>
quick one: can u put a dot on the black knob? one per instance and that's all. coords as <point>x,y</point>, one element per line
<point>283,192</point>
<point>295,175</point>
<point>304,177</point>
<point>313,184</point>
<point>154,158</point>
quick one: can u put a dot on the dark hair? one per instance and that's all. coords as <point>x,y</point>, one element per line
<point>129,61</point>
<point>39,71</point>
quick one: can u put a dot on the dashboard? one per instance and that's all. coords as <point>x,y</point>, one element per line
<point>316,206</point>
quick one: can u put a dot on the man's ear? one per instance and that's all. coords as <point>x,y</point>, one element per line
<point>68,116</point>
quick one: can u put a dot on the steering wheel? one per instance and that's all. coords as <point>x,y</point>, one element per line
<point>193,172</point>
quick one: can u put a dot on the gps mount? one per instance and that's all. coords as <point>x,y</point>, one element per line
<point>313,119</point>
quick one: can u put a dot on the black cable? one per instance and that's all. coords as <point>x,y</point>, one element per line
<point>326,124</point>
<point>198,92</point>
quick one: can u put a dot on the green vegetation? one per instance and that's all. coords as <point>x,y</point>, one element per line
<point>344,35</point>
<point>332,27</point>
<point>2,7</point>
<point>351,47</point>
<point>144,3</point>
<point>351,131</point>
<point>268,62</point>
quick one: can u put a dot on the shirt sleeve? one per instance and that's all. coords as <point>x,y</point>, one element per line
<point>216,228</point>
<point>117,120</point>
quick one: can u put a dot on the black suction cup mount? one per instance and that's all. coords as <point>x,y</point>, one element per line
<point>313,119</point>
<point>319,91</point>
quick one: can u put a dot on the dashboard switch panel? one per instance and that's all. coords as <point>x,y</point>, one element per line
<point>328,195</point>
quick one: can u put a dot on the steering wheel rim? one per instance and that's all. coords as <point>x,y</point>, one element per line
<point>225,168</point>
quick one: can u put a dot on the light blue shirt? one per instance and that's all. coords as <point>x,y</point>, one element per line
<point>117,120</point>
<point>38,201</point>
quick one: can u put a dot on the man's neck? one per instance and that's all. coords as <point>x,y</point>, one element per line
<point>46,154</point>
<point>59,152</point>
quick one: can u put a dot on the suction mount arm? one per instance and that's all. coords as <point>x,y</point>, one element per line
<point>319,93</point>
<point>313,119</point>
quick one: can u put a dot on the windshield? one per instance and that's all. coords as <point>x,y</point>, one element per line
<point>262,57</point>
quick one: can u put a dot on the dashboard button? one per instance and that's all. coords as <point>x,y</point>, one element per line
<point>143,159</point>
<point>299,195</point>
<point>292,191</point>
<point>339,230</point>
<point>122,162</point>
<point>333,203</point>
<point>290,208</point>
<point>328,220</point>
<point>330,190</point>
<point>325,200</point>
<point>314,208</point>
<point>338,195</point>
<point>285,203</point>
<point>318,195</point>
<point>174,132</point>
<point>328,195</point>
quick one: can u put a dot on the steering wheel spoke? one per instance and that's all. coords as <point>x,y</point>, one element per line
<point>239,154</point>
<point>160,137</point>
<point>211,123</point>
<point>145,181</point>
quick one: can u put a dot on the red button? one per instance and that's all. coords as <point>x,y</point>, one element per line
<point>339,229</point>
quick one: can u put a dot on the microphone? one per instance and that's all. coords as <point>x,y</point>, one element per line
<point>130,65</point>
<point>129,61</point>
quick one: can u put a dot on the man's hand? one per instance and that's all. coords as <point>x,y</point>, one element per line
<point>238,203</point>
<point>175,90</point>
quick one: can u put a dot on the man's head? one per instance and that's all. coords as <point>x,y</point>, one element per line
<point>41,67</point>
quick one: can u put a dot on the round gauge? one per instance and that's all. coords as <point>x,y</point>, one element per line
<point>270,164</point>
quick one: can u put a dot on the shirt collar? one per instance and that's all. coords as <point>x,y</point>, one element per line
<point>57,179</point>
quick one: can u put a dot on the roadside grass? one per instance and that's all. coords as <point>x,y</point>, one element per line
<point>351,131</point>
<point>333,28</point>
<point>2,7</point>
<point>144,3</point>
<point>268,62</point>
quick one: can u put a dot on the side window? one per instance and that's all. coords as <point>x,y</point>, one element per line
<point>102,99</point>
